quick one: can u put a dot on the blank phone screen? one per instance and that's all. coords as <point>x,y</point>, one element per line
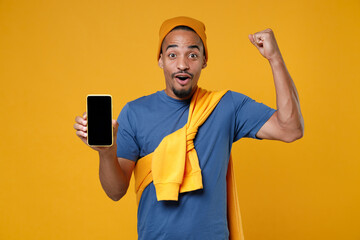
<point>99,115</point>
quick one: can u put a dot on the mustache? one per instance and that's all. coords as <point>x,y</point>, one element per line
<point>173,75</point>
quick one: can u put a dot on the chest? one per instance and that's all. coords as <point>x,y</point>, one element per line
<point>160,121</point>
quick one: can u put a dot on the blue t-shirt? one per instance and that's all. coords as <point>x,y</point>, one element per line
<point>201,214</point>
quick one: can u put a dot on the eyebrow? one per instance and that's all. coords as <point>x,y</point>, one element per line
<point>174,46</point>
<point>171,46</point>
<point>194,46</point>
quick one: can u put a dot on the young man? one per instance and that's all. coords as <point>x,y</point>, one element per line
<point>188,132</point>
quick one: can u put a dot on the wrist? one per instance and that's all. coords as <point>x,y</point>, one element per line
<point>276,60</point>
<point>108,153</point>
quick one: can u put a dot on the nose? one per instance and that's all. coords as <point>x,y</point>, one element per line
<point>182,63</point>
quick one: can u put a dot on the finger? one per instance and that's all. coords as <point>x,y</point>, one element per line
<point>259,39</point>
<point>81,134</point>
<point>115,126</point>
<point>80,120</point>
<point>251,38</point>
<point>85,115</point>
<point>80,127</point>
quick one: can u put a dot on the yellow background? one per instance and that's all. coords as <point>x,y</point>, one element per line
<point>54,53</point>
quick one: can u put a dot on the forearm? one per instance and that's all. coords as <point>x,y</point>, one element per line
<point>112,178</point>
<point>289,115</point>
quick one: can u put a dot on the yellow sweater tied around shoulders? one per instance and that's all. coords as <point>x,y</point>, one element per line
<point>174,166</point>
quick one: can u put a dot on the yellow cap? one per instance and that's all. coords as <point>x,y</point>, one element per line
<point>170,24</point>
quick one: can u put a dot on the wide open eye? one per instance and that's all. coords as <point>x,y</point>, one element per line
<point>172,55</point>
<point>193,55</point>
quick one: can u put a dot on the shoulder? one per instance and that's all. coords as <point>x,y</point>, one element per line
<point>234,99</point>
<point>138,106</point>
<point>242,104</point>
<point>142,103</point>
<point>144,100</point>
<point>237,97</point>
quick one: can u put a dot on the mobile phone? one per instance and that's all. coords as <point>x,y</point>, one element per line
<point>99,117</point>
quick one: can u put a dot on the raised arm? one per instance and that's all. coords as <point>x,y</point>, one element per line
<point>114,173</point>
<point>287,123</point>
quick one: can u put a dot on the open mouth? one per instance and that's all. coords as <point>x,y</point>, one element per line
<point>182,78</point>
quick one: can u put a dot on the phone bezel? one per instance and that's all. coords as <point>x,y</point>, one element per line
<point>87,110</point>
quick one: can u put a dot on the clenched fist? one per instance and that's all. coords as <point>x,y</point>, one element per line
<point>266,43</point>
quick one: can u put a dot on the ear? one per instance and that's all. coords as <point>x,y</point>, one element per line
<point>161,62</point>
<point>204,63</point>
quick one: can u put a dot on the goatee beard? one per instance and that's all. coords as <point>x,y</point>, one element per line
<point>182,93</point>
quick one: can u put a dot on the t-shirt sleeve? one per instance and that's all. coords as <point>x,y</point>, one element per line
<point>250,116</point>
<point>127,146</point>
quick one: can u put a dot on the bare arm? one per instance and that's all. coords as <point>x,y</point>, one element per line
<point>114,173</point>
<point>287,123</point>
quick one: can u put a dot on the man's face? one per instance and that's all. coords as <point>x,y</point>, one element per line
<point>182,60</point>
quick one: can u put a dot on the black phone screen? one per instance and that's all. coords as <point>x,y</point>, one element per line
<point>99,114</point>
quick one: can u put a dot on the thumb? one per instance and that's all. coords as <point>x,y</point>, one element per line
<point>115,126</point>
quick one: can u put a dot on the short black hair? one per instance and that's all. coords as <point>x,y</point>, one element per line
<point>186,28</point>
